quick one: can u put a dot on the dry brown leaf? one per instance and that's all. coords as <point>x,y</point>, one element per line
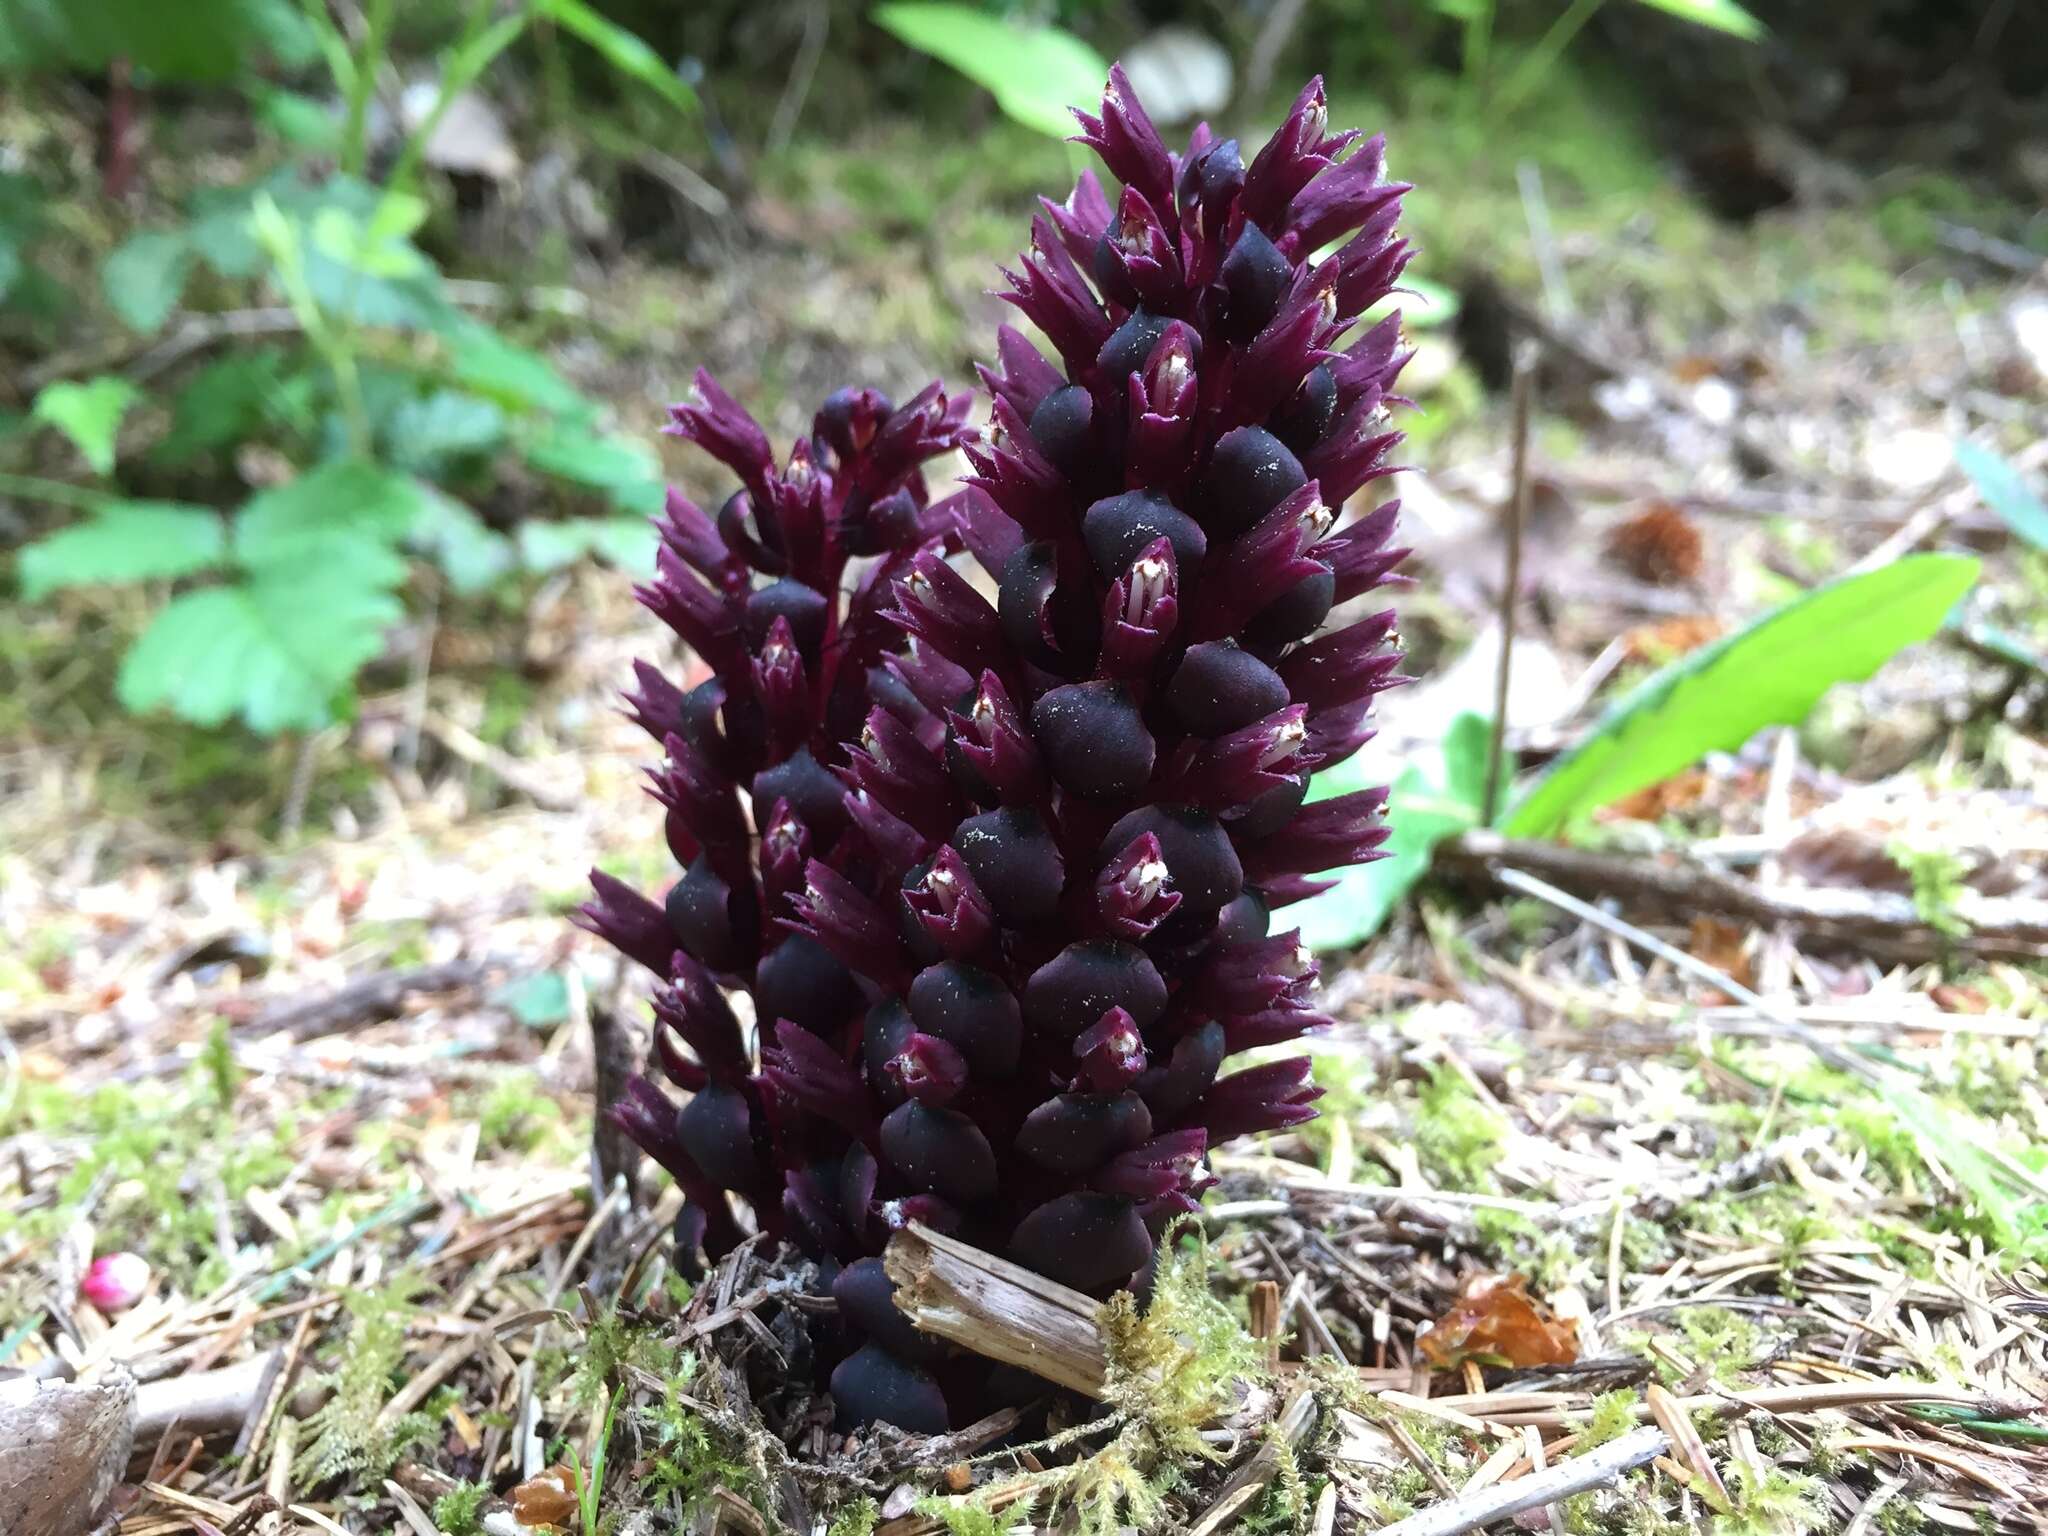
<point>1660,545</point>
<point>1656,644</point>
<point>549,1498</point>
<point>1720,944</point>
<point>1496,1318</point>
<point>1667,797</point>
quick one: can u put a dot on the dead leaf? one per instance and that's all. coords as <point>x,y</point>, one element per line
<point>1667,797</point>
<point>1721,945</point>
<point>1495,1318</point>
<point>1659,545</point>
<point>548,1498</point>
<point>1657,644</point>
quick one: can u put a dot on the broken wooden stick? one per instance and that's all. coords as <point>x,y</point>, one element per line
<point>997,1309</point>
<point>2012,927</point>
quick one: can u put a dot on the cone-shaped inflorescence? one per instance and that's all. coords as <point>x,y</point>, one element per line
<point>1043,915</point>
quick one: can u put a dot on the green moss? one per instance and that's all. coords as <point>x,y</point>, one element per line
<point>856,1519</point>
<point>1457,1135</point>
<point>459,1511</point>
<point>345,1437</point>
<point>517,1114</point>
<point>1777,1503</point>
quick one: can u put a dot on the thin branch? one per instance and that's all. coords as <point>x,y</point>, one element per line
<point>1595,1469</point>
<point>1511,582</point>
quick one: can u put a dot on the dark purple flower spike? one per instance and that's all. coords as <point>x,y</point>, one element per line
<point>1004,901</point>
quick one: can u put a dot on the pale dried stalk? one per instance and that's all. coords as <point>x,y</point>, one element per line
<point>1595,1469</point>
<point>998,1309</point>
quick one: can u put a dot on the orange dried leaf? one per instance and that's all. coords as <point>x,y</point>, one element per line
<point>1659,545</point>
<point>1657,644</point>
<point>548,1498</point>
<point>1495,1318</point>
<point>1722,945</point>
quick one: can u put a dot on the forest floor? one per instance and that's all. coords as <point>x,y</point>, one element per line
<point>306,1027</point>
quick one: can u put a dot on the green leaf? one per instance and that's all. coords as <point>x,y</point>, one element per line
<point>89,414</point>
<point>1429,801</point>
<point>428,431</point>
<point>299,119</point>
<point>1722,15</point>
<point>227,401</point>
<point>626,542</point>
<point>342,501</point>
<point>621,49</point>
<point>486,362</point>
<point>539,1001</point>
<point>1035,73</point>
<point>473,557</point>
<point>1770,673</point>
<point>123,542</point>
<point>2005,493</point>
<point>278,649</point>
<point>144,277</point>
<point>609,461</point>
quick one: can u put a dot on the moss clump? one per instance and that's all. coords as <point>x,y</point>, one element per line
<point>347,1439</point>
<point>1458,1135</point>
<point>459,1511</point>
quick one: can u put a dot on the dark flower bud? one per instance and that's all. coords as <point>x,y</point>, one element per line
<point>1185,1076</point>
<point>716,422</point>
<point>1231,772</point>
<point>1073,990</point>
<point>1343,665</point>
<point>1211,179</point>
<point>971,1010</point>
<point>1330,834</point>
<point>929,1070</point>
<point>1200,861</point>
<point>1245,920</point>
<point>890,522</point>
<point>804,608</point>
<point>1218,688</point>
<point>1092,1242</point>
<point>1255,279</point>
<point>1063,429</point>
<point>858,1175</point>
<point>1250,473</point>
<point>1268,812</point>
<point>1047,624</point>
<point>1094,739</point>
<point>866,1298</point>
<point>1106,266</point>
<point>848,420</point>
<point>813,791</point>
<point>802,981</point>
<point>896,844</point>
<point>939,1151</point>
<point>630,923</point>
<point>715,1128</point>
<point>1118,528</point>
<point>884,1033</point>
<point>1296,613</point>
<point>1269,1097</point>
<point>705,799</point>
<point>1305,420</point>
<point>991,754</point>
<point>834,911</point>
<point>947,907</point>
<point>654,704</point>
<point>808,1073</point>
<point>1165,1166</point>
<point>1111,1052</point>
<point>936,604</point>
<point>1140,613</point>
<point>1075,1132</point>
<point>1132,894</point>
<point>686,1074</point>
<point>871,1386</point>
<point>1130,344</point>
<point>810,1200</point>
<point>1014,860</point>
<point>1247,978</point>
<point>782,689</point>
<point>710,921</point>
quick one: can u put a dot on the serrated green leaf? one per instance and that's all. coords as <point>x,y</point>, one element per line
<point>1770,673</point>
<point>89,414</point>
<point>1722,15</point>
<point>472,556</point>
<point>425,432</point>
<point>626,542</point>
<point>2005,493</point>
<point>278,649</point>
<point>1035,73</point>
<point>123,542</point>
<point>1429,801</point>
<point>342,499</point>
<point>144,278</point>
<point>625,52</point>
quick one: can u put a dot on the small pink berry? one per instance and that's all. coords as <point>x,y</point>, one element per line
<point>116,1282</point>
